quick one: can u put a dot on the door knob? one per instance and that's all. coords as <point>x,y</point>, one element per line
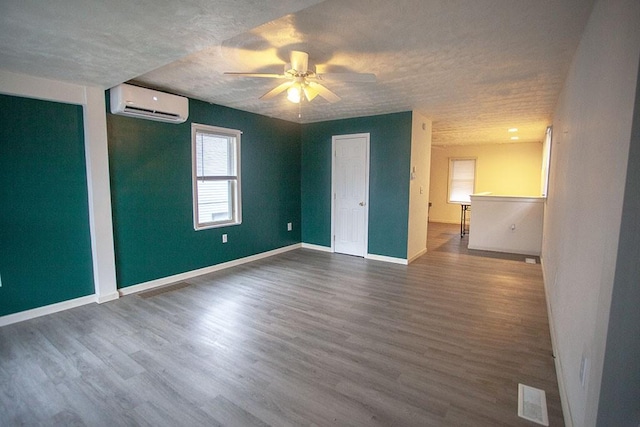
<point>361,203</point>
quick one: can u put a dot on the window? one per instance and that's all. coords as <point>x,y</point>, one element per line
<point>216,176</point>
<point>546,158</point>
<point>462,177</point>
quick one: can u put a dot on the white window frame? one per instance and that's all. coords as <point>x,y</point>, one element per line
<point>234,199</point>
<point>546,161</point>
<point>452,160</point>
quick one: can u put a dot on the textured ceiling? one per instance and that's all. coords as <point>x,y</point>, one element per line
<point>104,43</point>
<point>475,67</point>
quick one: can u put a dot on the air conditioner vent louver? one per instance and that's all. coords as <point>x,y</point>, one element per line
<point>145,111</point>
<point>134,101</point>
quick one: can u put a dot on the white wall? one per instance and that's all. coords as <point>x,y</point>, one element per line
<point>419,186</point>
<point>592,127</point>
<point>506,224</point>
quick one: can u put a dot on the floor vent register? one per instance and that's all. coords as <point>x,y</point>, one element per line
<point>532,404</point>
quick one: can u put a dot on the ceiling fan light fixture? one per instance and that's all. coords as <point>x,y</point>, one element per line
<point>303,82</point>
<point>294,94</point>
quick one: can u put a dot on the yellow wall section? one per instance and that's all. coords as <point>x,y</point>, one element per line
<point>502,169</point>
<point>419,185</point>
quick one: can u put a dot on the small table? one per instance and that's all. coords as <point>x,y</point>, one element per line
<point>464,217</point>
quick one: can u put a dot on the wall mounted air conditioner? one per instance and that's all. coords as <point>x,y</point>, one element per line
<point>134,101</point>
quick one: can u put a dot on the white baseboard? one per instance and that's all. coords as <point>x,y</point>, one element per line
<point>101,299</point>
<point>317,247</point>
<point>564,398</point>
<point>199,272</point>
<point>66,305</point>
<point>367,256</point>
<point>503,250</point>
<point>416,256</point>
<point>47,309</point>
<point>444,221</point>
<point>387,259</point>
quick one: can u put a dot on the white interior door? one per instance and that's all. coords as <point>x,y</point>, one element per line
<point>350,205</point>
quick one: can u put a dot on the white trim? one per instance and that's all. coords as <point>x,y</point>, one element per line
<point>316,247</point>
<point>206,270</point>
<point>546,161</point>
<point>44,310</point>
<point>416,256</point>
<point>66,305</point>
<point>367,256</point>
<point>99,195</point>
<point>445,221</point>
<point>494,249</point>
<point>236,209</point>
<point>106,298</point>
<point>518,199</point>
<point>562,389</point>
<point>386,259</point>
<point>39,88</point>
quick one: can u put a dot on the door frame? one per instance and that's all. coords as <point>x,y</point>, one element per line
<point>335,138</point>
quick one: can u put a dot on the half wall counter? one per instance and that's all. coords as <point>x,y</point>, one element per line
<point>510,224</point>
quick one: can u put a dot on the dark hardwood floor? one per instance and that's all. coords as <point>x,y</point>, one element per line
<point>304,338</point>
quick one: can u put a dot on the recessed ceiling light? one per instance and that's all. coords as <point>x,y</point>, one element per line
<point>513,130</point>
<point>515,138</point>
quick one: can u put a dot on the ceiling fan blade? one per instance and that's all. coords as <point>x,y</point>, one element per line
<point>277,90</point>
<point>299,61</point>
<point>267,75</point>
<point>349,77</point>
<point>309,93</point>
<point>324,92</point>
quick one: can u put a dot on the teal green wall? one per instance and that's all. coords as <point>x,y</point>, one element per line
<point>45,249</point>
<point>390,162</point>
<point>45,244</point>
<point>150,168</point>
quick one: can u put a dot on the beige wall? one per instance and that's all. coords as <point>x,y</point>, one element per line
<point>419,185</point>
<point>502,169</point>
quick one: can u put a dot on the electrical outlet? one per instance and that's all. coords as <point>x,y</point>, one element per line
<point>289,226</point>
<point>224,238</point>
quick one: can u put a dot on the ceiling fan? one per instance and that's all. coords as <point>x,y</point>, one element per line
<point>303,82</point>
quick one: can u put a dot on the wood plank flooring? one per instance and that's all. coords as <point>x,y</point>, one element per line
<point>304,338</point>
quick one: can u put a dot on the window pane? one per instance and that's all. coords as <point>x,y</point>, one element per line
<point>214,155</point>
<point>215,201</point>
<point>462,177</point>
<point>461,190</point>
